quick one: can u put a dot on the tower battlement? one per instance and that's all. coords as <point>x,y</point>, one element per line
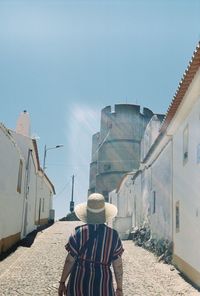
<point>116,148</point>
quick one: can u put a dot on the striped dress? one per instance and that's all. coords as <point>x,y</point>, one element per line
<point>91,274</point>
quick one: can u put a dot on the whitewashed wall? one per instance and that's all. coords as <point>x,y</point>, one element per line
<point>150,134</point>
<point>145,191</point>
<point>11,201</point>
<point>186,178</point>
<point>19,208</point>
<point>30,197</point>
<point>138,216</point>
<point>123,199</point>
<point>39,193</point>
<point>26,147</point>
<point>44,201</point>
<point>135,195</point>
<point>156,181</point>
<point>161,188</point>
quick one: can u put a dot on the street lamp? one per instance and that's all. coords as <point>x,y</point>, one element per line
<point>45,153</point>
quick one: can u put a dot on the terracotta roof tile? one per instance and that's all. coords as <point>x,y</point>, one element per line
<point>186,80</point>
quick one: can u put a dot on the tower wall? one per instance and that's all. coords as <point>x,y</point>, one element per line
<point>118,142</point>
<point>93,164</point>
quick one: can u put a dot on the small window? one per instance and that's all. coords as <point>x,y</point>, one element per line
<point>107,167</point>
<point>19,181</point>
<point>198,153</point>
<point>177,216</point>
<point>154,203</point>
<point>185,144</point>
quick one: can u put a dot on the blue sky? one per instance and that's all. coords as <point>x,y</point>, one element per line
<point>63,61</point>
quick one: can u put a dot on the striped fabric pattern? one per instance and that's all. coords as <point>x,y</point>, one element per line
<point>91,274</point>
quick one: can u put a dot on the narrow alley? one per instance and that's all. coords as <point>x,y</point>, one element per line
<point>36,270</point>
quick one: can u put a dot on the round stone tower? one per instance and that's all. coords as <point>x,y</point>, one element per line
<point>93,164</point>
<point>116,149</point>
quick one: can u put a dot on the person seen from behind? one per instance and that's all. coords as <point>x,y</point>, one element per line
<point>92,249</point>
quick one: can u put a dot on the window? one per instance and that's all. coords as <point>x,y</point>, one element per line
<point>154,203</point>
<point>177,216</point>
<point>19,181</point>
<point>107,167</point>
<point>198,153</point>
<point>185,144</point>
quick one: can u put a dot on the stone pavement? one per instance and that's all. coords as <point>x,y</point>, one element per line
<point>36,270</point>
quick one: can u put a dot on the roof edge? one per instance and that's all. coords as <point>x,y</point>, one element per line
<point>183,86</point>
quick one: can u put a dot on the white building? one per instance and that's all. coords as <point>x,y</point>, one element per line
<point>44,211</point>
<point>38,188</point>
<point>12,166</point>
<point>165,190</point>
<point>25,191</point>
<point>182,123</point>
<point>145,196</point>
<point>122,198</point>
<point>156,188</point>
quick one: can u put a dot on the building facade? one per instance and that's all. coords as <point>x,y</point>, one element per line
<point>12,166</point>
<point>164,192</point>
<point>26,192</point>
<point>144,197</point>
<point>182,123</point>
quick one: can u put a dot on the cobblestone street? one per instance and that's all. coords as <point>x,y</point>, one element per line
<point>36,270</point>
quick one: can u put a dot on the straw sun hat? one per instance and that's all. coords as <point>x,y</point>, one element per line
<point>96,210</point>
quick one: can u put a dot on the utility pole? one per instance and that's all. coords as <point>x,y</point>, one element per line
<point>72,196</point>
<point>45,154</point>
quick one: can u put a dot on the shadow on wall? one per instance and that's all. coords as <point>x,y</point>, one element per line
<point>25,242</point>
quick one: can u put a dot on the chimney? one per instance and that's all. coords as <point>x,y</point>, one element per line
<point>23,124</point>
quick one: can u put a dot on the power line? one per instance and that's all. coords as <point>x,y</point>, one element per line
<point>62,190</point>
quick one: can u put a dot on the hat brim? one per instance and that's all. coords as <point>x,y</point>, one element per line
<point>81,212</point>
